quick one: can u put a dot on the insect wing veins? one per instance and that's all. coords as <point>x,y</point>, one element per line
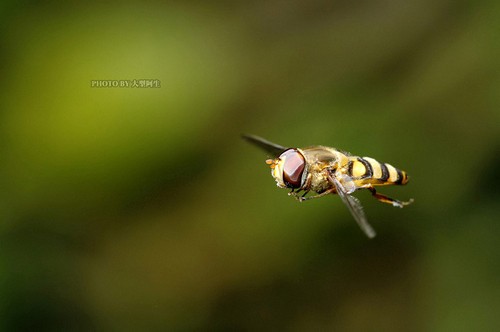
<point>354,207</point>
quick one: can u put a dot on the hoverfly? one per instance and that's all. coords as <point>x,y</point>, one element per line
<point>326,170</point>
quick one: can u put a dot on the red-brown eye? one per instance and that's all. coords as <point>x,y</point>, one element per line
<point>293,167</point>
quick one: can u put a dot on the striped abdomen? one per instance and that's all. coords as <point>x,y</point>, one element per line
<point>365,170</point>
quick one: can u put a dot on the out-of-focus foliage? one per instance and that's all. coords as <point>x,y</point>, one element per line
<point>141,209</point>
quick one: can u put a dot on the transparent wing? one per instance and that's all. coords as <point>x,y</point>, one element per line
<point>274,149</point>
<point>354,207</point>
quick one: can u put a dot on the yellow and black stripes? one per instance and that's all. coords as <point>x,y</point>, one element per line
<point>371,171</point>
<point>385,172</point>
<point>358,168</point>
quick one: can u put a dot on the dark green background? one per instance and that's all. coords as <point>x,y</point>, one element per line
<point>141,209</point>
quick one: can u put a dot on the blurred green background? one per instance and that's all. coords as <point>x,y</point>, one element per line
<point>129,209</point>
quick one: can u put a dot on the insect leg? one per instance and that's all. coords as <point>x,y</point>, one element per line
<point>324,193</point>
<point>388,200</point>
<point>306,188</point>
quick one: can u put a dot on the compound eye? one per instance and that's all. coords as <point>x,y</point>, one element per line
<point>293,167</point>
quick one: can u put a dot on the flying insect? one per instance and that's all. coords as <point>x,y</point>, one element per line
<point>325,170</point>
